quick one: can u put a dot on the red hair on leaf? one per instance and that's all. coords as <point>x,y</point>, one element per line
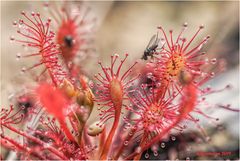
<point>177,56</point>
<point>111,91</point>
<point>188,102</point>
<point>39,37</point>
<point>74,28</point>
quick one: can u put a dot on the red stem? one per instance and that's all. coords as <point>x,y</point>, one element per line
<point>129,137</point>
<point>19,147</point>
<point>138,156</point>
<point>102,140</point>
<point>66,130</point>
<point>36,140</point>
<point>108,142</point>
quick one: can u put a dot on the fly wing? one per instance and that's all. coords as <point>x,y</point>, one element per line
<point>155,44</point>
<point>151,42</point>
<point>157,41</point>
<point>161,44</point>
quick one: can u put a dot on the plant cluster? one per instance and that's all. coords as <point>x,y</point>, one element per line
<point>138,106</point>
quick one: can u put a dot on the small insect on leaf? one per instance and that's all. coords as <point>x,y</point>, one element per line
<point>68,41</point>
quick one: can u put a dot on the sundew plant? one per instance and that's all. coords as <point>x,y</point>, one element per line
<point>151,106</point>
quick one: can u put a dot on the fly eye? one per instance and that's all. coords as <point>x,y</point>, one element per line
<point>68,40</point>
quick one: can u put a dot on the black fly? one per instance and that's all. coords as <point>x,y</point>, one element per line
<point>151,47</point>
<point>68,40</point>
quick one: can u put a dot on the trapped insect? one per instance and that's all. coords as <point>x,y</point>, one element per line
<point>68,40</point>
<point>151,47</point>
